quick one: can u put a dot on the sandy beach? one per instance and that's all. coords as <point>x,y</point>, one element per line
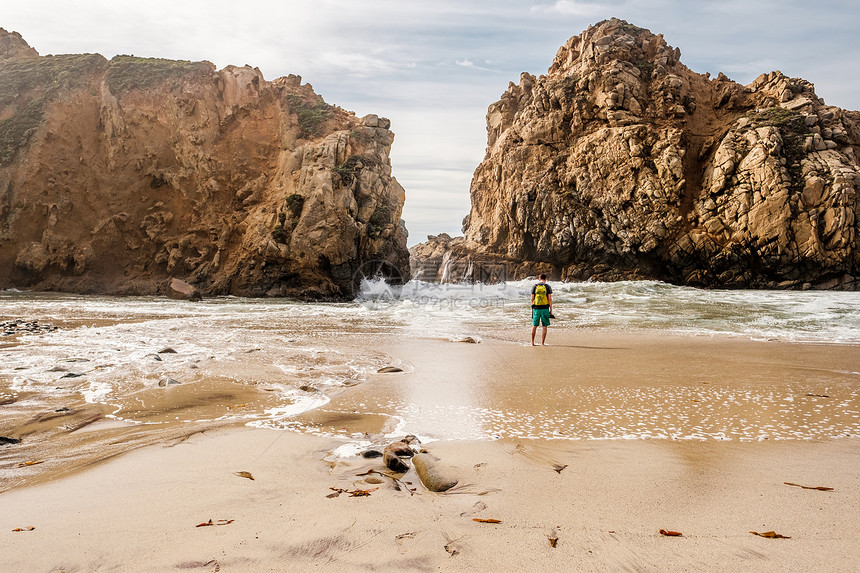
<point>268,277</point>
<point>603,501</point>
<point>605,508</point>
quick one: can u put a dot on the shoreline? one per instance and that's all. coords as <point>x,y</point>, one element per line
<point>583,386</point>
<point>589,385</point>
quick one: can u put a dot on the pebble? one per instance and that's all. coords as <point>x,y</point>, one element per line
<point>167,350</point>
<point>20,326</point>
<point>392,454</point>
<point>434,475</point>
<point>387,369</point>
<point>400,449</point>
<point>168,381</point>
<point>5,441</point>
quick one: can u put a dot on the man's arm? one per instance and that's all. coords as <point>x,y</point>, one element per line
<point>549,298</point>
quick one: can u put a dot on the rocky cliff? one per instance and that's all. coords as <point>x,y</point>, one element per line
<point>621,162</point>
<point>117,175</point>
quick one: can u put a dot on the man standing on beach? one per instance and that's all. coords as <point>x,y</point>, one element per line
<point>541,308</point>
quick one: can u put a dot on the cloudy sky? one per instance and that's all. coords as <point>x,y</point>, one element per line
<point>433,67</point>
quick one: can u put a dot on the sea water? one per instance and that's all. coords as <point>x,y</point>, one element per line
<point>799,316</point>
<point>151,361</point>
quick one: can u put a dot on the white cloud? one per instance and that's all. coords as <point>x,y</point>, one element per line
<point>571,8</point>
<point>467,63</point>
<point>355,64</point>
<point>746,68</point>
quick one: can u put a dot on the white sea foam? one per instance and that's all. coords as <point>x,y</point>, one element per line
<point>808,316</point>
<point>300,405</point>
<point>114,342</point>
<point>97,392</point>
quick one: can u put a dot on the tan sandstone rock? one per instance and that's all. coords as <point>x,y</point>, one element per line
<point>116,175</point>
<point>621,162</point>
<point>181,290</point>
<point>12,45</point>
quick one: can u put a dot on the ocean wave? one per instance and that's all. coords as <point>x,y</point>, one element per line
<point>814,316</point>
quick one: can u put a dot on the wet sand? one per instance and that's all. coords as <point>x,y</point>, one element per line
<point>730,421</point>
<point>606,385</point>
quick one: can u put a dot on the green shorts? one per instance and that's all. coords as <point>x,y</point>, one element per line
<point>540,315</point>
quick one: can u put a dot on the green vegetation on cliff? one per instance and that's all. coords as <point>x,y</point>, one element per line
<point>312,114</point>
<point>350,169</point>
<point>127,73</point>
<point>27,84</point>
<point>793,130</point>
<point>378,220</point>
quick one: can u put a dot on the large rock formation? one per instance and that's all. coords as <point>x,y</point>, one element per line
<point>116,176</point>
<point>621,162</point>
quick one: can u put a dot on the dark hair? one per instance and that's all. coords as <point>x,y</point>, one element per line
<point>543,276</point>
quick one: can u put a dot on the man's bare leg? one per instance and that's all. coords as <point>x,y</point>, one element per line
<point>543,337</point>
<point>534,330</point>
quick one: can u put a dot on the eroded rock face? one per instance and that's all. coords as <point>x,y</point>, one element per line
<point>12,45</point>
<point>116,176</point>
<point>621,162</point>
